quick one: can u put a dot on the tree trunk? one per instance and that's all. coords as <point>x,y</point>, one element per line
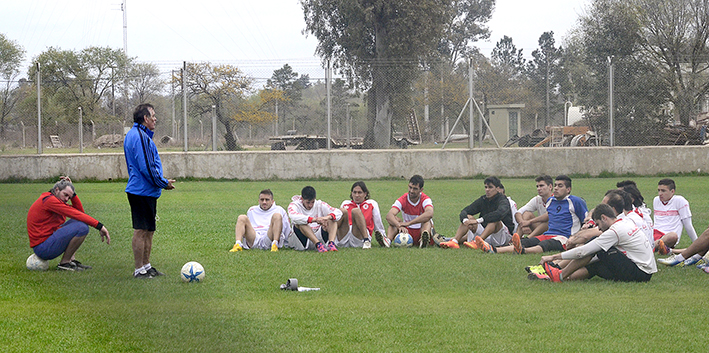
<point>381,126</point>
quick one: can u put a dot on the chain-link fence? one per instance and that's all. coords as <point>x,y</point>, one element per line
<point>429,105</point>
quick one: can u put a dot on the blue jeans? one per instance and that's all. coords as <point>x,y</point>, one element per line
<point>57,243</point>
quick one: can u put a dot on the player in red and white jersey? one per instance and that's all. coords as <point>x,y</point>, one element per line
<point>313,222</point>
<point>360,219</point>
<point>264,226</point>
<point>416,210</point>
<point>672,214</point>
<point>527,222</point>
<point>621,253</point>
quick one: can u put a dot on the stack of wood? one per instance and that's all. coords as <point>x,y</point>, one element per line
<point>679,135</point>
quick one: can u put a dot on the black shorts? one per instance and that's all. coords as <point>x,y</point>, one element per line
<point>614,265</point>
<point>547,244</point>
<point>143,210</point>
<point>304,239</point>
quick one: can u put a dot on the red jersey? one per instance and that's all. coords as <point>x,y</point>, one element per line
<point>410,211</point>
<point>48,213</point>
<point>370,210</point>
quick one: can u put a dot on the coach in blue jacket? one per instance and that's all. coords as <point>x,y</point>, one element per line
<point>145,184</point>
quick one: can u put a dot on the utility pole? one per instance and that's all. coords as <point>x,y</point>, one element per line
<point>39,112</point>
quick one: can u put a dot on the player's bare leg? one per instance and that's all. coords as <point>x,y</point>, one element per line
<point>359,225</point>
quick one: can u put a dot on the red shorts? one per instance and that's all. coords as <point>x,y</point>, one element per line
<point>416,235</point>
<point>657,234</point>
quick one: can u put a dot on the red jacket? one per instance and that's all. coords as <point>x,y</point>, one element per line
<point>48,213</point>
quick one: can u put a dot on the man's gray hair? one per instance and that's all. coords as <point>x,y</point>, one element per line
<point>61,185</point>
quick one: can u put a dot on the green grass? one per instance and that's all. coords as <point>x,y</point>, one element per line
<point>398,300</point>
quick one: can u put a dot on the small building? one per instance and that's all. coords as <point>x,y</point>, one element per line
<point>504,120</point>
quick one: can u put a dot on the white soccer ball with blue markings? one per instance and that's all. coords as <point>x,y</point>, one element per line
<point>192,272</point>
<point>403,240</point>
<point>35,263</point>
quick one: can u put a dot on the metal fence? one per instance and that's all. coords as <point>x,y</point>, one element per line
<point>432,106</point>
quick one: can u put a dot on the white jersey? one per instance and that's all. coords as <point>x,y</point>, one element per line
<point>645,213</point>
<point>261,220</point>
<point>669,216</point>
<point>626,237</point>
<point>299,215</point>
<point>513,208</point>
<point>639,222</point>
<point>536,204</point>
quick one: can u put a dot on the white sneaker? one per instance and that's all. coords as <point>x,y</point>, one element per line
<point>382,239</point>
<point>670,261</point>
<point>367,244</point>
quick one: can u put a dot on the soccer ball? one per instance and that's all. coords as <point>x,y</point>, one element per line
<point>35,263</point>
<point>403,240</point>
<point>192,272</point>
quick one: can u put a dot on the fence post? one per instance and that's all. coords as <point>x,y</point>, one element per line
<point>471,118</point>
<point>328,84</point>
<point>81,130</point>
<point>184,101</point>
<point>39,112</point>
<point>610,101</point>
<point>214,127</point>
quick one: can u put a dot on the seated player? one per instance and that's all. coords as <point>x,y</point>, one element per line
<point>494,223</point>
<point>416,210</point>
<point>694,254</point>
<point>622,251</point>
<point>313,221</point>
<point>264,226</point>
<point>528,223</point>
<point>671,215</point>
<point>639,205</point>
<point>564,215</point>
<point>360,219</point>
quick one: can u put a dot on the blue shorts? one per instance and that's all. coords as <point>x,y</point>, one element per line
<point>57,243</point>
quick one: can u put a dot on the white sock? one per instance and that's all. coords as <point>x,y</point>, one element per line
<point>696,257</point>
<point>239,242</point>
<point>679,257</point>
<point>139,270</point>
<point>147,266</point>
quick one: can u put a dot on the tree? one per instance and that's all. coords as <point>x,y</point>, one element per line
<point>465,24</point>
<point>545,71</point>
<point>144,80</point>
<point>11,55</point>
<point>79,79</point>
<point>371,42</point>
<point>221,86</point>
<point>508,59</point>
<point>292,86</point>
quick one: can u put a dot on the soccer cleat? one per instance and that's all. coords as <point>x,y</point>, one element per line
<point>153,272</point>
<point>367,244</point>
<point>331,246</point>
<point>692,260</point>
<point>662,248</point>
<point>554,273</point>
<point>538,269</point>
<point>438,238</point>
<point>706,269</point>
<point>671,261</point>
<point>517,243</point>
<point>274,247</point>
<point>81,266</point>
<point>142,275</point>
<point>425,239</point>
<point>382,239</point>
<point>702,263</point>
<point>69,266</point>
<point>483,245</point>
<point>538,276</point>
<point>237,247</point>
<point>320,247</point>
<point>471,244</point>
<point>451,244</point>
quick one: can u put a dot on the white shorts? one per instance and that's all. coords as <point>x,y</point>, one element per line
<point>349,241</point>
<point>501,238</point>
<point>263,242</point>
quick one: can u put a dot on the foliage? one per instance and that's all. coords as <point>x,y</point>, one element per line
<point>287,81</point>
<point>144,80</point>
<point>545,72</point>
<point>222,87</point>
<point>465,24</point>
<point>11,55</point>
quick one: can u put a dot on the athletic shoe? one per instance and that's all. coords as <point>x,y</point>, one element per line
<point>692,260</point>
<point>81,266</point>
<point>662,248</point>
<point>69,266</point>
<point>331,246</point>
<point>702,263</point>
<point>438,238</point>
<point>320,247</point>
<point>425,239</point>
<point>538,269</point>
<point>451,244</point>
<point>538,276</point>
<point>153,272</point>
<point>367,244</point>
<point>517,243</point>
<point>471,244</point>
<point>553,273</point>
<point>274,247</point>
<point>142,275</point>
<point>671,261</point>
<point>237,247</point>
<point>382,239</point>
<point>483,245</point>
<point>706,269</point>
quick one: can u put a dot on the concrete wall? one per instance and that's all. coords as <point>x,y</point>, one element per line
<point>371,164</point>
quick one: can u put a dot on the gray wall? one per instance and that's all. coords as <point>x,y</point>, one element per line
<point>372,164</point>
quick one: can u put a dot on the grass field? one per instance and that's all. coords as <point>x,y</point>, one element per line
<point>394,300</point>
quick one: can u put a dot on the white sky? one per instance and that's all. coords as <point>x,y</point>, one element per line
<point>252,33</point>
